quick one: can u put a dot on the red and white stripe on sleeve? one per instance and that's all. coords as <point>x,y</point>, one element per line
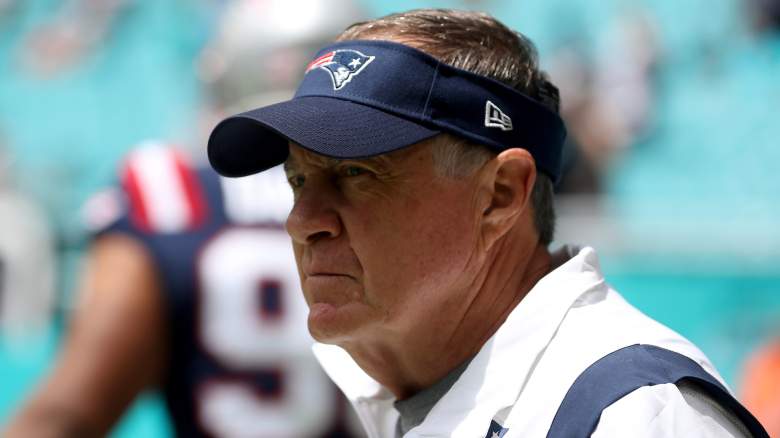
<point>163,190</point>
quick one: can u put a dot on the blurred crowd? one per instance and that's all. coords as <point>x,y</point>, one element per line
<point>670,110</point>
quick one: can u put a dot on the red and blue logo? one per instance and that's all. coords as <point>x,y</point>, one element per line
<point>341,65</point>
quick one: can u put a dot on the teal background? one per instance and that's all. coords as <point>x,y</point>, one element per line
<point>705,176</point>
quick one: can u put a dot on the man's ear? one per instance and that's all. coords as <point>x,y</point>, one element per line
<point>508,182</point>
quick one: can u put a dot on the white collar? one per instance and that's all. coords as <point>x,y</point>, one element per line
<point>494,379</point>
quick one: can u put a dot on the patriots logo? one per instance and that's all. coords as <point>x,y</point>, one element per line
<point>342,65</point>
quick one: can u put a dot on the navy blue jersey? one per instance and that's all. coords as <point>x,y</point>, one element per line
<point>240,360</point>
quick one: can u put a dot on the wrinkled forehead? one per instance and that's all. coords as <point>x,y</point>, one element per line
<point>300,157</point>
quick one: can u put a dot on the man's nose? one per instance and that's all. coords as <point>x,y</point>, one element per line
<point>313,217</point>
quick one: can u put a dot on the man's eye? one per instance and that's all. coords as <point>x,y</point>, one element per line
<point>354,171</point>
<point>296,181</point>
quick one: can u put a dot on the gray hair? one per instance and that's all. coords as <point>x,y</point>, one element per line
<point>478,43</point>
<point>455,157</point>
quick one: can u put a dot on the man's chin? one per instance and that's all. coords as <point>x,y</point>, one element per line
<point>331,324</point>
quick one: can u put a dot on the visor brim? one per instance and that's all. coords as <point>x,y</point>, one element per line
<point>259,139</point>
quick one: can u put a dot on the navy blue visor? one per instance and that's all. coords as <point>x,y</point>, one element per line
<point>364,98</point>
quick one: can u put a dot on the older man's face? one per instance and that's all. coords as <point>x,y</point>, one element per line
<point>382,245</point>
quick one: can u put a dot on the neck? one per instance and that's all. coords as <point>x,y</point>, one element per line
<point>410,361</point>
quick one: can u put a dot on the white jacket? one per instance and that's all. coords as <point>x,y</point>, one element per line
<point>569,320</point>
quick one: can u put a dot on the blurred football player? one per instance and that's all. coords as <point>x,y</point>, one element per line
<point>191,288</point>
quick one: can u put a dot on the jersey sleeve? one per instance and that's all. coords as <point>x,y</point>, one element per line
<point>157,192</point>
<point>668,410</point>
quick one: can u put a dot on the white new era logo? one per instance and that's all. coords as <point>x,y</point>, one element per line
<point>495,118</point>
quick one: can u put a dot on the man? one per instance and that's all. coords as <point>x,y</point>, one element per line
<point>421,225</point>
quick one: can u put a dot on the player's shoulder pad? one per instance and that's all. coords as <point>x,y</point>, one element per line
<point>162,190</point>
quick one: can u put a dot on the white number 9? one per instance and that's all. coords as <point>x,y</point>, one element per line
<point>252,321</point>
